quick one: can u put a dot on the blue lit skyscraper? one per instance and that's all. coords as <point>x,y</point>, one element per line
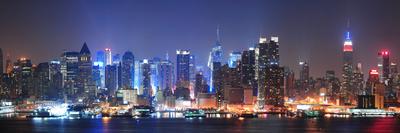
<point>234,58</point>
<point>182,68</point>
<point>216,55</point>
<point>100,63</point>
<point>166,74</point>
<point>108,56</point>
<point>155,73</point>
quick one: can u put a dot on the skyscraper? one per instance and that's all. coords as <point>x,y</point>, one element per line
<point>111,76</point>
<point>248,70</point>
<point>154,73</point>
<point>383,65</point>
<point>56,81</point>
<point>304,78</point>
<point>269,74</point>
<point>9,65</point>
<point>128,70</point>
<point>1,62</point>
<point>358,81</point>
<point>85,82</point>
<point>234,58</point>
<point>146,82</point>
<point>101,63</point>
<point>23,78</point>
<point>347,75</point>
<point>41,77</point>
<point>166,75</point>
<point>216,55</point>
<point>70,71</point>
<point>108,56</point>
<point>182,68</point>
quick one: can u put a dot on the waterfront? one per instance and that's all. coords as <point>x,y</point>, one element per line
<point>271,123</point>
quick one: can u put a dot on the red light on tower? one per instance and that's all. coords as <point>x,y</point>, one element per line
<point>373,72</point>
<point>384,53</point>
<point>348,46</point>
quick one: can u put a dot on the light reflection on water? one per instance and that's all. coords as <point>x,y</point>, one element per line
<point>175,122</point>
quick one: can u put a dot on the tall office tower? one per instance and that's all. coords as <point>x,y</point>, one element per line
<point>383,66</point>
<point>289,87</point>
<point>261,53</point>
<point>138,76</point>
<point>216,55</point>
<point>9,65</point>
<point>111,82</point>
<point>1,62</point>
<point>373,79</point>
<point>154,74</point>
<point>166,75</point>
<point>146,82</point>
<point>97,69</point>
<point>234,59</point>
<point>101,64</point>
<point>85,81</point>
<point>200,84</point>
<point>248,70</point>
<point>182,68</point>
<point>217,83</point>
<point>56,81</point>
<point>70,71</point>
<point>347,74</point>
<point>41,76</point>
<point>23,78</point>
<point>269,74</point>
<point>358,81</point>
<point>108,56</point>
<point>304,78</point>
<point>128,70</point>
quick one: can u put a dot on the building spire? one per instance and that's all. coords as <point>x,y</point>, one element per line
<point>166,56</point>
<point>218,36</point>
<point>348,36</point>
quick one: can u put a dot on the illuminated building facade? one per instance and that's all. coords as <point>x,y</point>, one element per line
<point>182,68</point>
<point>146,80</point>
<point>85,82</point>
<point>304,78</point>
<point>128,70</point>
<point>248,70</point>
<point>22,73</point>
<point>234,59</point>
<point>108,56</point>
<point>41,78</point>
<point>101,63</point>
<point>383,65</point>
<point>216,55</point>
<point>111,76</point>
<point>347,75</point>
<point>269,74</point>
<point>70,70</point>
<point>166,75</point>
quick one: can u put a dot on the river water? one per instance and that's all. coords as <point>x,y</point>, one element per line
<point>272,123</point>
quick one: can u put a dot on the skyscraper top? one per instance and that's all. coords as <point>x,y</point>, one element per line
<point>85,49</point>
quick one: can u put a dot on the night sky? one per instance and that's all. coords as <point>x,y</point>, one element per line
<point>311,30</point>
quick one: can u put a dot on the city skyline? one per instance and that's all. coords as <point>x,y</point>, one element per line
<point>120,28</point>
